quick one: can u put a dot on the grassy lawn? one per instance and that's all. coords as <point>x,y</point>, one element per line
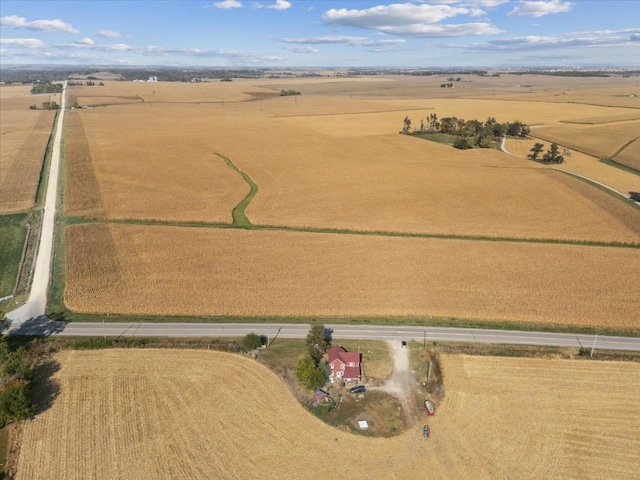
<point>381,411</point>
<point>13,231</point>
<point>437,137</point>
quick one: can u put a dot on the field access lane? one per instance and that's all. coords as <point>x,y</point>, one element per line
<point>364,332</point>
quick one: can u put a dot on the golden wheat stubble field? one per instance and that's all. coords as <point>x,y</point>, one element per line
<point>25,134</point>
<point>136,269</point>
<point>144,162</point>
<point>155,414</point>
<point>317,166</point>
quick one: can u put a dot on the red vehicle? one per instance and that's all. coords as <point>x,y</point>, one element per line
<point>428,408</point>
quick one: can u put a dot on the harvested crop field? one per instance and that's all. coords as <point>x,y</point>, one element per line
<point>323,162</point>
<point>331,160</point>
<point>25,134</point>
<point>155,414</point>
<point>158,270</point>
<point>597,140</point>
<point>157,169</point>
<point>588,166</point>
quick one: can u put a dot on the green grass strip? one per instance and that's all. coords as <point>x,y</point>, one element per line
<point>371,233</point>
<point>13,231</point>
<point>240,219</point>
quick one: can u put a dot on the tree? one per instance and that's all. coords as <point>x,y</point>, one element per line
<point>535,151</point>
<point>484,141</point>
<point>310,374</point>
<point>251,341</point>
<point>635,196</point>
<point>15,381</point>
<point>317,342</point>
<point>553,155</point>
<point>406,127</point>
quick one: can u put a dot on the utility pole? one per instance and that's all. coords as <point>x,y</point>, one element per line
<point>594,345</point>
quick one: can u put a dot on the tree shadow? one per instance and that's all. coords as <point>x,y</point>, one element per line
<point>45,389</point>
<point>40,326</point>
<point>328,335</point>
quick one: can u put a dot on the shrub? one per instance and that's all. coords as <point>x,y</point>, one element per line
<point>252,341</point>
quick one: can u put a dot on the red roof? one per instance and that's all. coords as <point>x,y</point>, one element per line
<point>351,361</point>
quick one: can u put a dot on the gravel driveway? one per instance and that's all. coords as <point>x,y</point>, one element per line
<point>401,383</point>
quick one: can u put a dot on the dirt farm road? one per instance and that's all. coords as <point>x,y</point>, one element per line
<point>35,305</point>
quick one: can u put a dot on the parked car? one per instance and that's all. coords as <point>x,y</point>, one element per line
<point>358,389</point>
<point>404,344</point>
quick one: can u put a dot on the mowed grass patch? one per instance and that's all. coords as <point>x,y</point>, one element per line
<point>13,231</point>
<point>203,414</point>
<point>217,272</point>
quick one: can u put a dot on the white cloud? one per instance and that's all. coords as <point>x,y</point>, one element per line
<point>392,15</point>
<point>109,33</point>
<point>14,21</point>
<point>23,42</point>
<point>88,44</point>
<point>227,4</point>
<point>343,39</point>
<point>306,49</point>
<point>602,38</point>
<point>280,5</point>
<point>540,8</point>
<point>236,57</point>
<point>411,20</point>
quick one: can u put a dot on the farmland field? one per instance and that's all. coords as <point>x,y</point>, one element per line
<point>202,414</point>
<point>336,188</point>
<point>25,134</point>
<point>316,165</point>
<point>135,269</point>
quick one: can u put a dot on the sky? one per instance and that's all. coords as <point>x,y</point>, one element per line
<point>322,33</point>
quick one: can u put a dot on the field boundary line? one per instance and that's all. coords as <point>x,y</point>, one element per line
<point>338,231</point>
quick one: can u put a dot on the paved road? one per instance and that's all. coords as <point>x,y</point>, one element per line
<point>364,332</point>
<point>30,320</point>
<point>37,301</point>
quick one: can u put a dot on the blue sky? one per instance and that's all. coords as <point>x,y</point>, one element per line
<point>316,33</point>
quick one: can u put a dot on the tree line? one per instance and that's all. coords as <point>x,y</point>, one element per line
<point>46,88</point>
<point>468,133</point>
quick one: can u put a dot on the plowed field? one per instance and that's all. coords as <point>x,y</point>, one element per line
<point>166,414</point>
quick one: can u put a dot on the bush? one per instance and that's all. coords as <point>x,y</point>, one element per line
<point>251,341</point>
<point>15,402</point>
<point>462,143</point>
